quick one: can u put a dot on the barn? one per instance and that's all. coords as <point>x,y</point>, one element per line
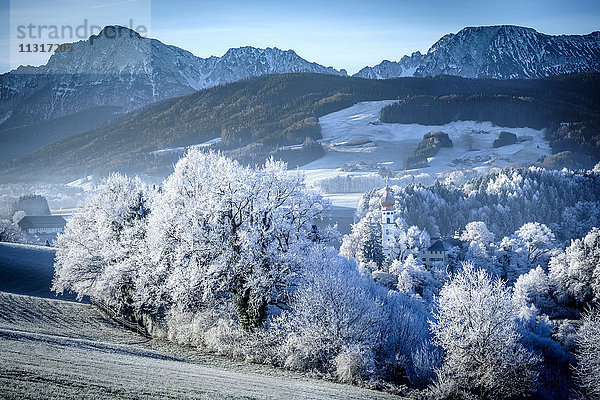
<point>43,226</point>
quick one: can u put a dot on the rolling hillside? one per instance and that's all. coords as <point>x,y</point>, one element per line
<point>63,349</point>
<point>254,117</point>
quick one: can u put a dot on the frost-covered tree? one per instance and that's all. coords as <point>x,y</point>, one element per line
<point>480,247</point>
<point>477,231</point>
<point>367,203</point>
<point>364,242</point>
<point>475,324</point>
<point>222,232</point>
<point>538,241</point>
<point>340,322</point>
<point>413,277</point>
<point>535,288</point>
<point>10,232</point>
<point>98,254</point>
<point>408,241</point>
<point>576,271</point>
<point>531,245</point>
<point>587,371</point>
<point>512,260</point>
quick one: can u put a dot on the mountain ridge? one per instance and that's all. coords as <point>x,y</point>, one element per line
<point>126,70</point>
<point>499,52</point>
<point>133,71</point>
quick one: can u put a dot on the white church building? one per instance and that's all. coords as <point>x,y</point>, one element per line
<point>387,202</point>
<point>437,252</point>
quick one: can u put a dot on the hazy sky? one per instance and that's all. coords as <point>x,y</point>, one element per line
<point>343,34</point>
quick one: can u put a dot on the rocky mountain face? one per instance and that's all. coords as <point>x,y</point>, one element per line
<point>407,66</point>
<point>499,52</point>
<point>120,68</point>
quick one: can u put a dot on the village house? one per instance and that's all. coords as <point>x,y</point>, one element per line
<point>438,250</point>
<point>45,227</point>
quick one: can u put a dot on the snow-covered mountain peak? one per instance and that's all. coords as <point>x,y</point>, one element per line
<point>393,69</point>
<point>501,52</point>
<point>268,61</point>
<point>122,68</point>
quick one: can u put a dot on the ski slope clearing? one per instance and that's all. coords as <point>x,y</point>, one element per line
<point>355,137</point>
<point>184,148</point>
<point>63,349</point>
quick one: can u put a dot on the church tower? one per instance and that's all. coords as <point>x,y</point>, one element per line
<point>387,202</point>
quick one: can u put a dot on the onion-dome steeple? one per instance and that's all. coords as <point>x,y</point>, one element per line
<point>387,201</point>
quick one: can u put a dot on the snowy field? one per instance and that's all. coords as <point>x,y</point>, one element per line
<point>58,349</point>
<point>27,269</point>
<point>355,135</point>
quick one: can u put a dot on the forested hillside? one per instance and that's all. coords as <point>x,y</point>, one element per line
<point>571,125</point>
<point>254,117</point>
<point>565,201</point>
<point>502,110</point>
<point>20,140</point>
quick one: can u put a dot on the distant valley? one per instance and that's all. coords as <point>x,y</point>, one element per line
<point>258,118</point>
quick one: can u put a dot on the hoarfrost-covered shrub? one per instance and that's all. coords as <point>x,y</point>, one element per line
<point>446,387</point>
<point>186,328</point>
<point>587,370</point>
<point>337,310</point>
<point>354,364</point>
<point>218,331</point>
<point>475,323</point>
<point>226,337</point>
<point>334,307</point>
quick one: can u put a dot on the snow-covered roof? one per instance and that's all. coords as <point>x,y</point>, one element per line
<point>444,244</point>
<point>42,221</point>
